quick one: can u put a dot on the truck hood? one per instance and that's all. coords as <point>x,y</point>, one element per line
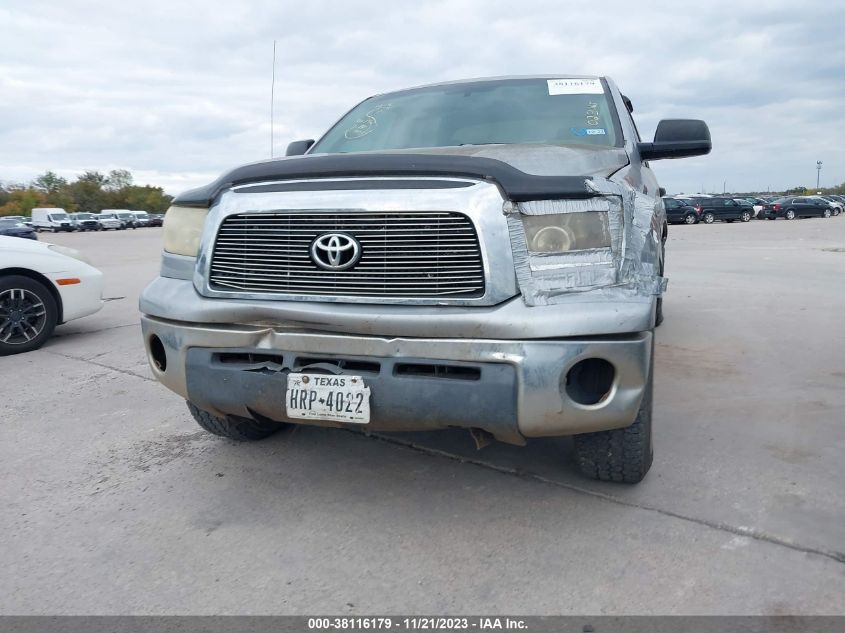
<point>522,172</point>
<point>544,160</point>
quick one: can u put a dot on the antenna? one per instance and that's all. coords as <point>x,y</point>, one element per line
<point>272,95</point>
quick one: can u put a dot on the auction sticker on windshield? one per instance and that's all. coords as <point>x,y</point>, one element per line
<point>575,87</point>
<point>327,397</point>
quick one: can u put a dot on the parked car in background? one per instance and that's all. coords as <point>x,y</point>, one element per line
<point>746,204</point>
<point>722,209</point>
<point>833,202</point>
<point>156,219</point>
<point>756,204</point>
<point>20,218</point>
<point>839,198</point>
<point>109,221</point>
<point>126,217</point>
<point>16,228</point>
<point>41,286</point>
<point>680,211</point>
<point>142,218</point>
<point>129,220</point>
<point>49,219</point>
<point>798,207</point>
<point>84,222</point>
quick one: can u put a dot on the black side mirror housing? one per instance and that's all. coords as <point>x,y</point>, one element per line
<point>298,148</point>
<point>661,191</point>
<point>677,138</point>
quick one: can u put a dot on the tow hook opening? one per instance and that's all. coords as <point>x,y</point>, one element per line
<point>589,381</point>
<point>157,353</point>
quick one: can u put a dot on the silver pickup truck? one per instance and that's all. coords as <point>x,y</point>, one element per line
<point>484,254</point>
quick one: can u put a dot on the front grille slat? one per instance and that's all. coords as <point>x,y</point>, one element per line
<point>413,254</point>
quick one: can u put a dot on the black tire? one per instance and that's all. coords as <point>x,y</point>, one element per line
<point>620,455</point>
<point>708,218</point>
<point>790,214</point>
<point>826,213</point>
<point>28,314</point>
<point>689,218</point>
<point>234,427</point>
<point>746,216</point>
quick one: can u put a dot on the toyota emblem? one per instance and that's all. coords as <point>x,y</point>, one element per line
<point>335,251</point>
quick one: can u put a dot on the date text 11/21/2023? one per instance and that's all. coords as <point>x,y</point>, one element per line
<point>421,623</point>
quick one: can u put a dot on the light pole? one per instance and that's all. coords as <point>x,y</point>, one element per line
<point>818,172</point>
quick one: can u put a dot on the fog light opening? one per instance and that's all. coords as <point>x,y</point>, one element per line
<point>157,353</point>
<point>589,381</point>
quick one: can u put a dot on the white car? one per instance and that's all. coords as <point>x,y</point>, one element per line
<point>141,217</point>
<point>109,221</point>
<point>41,286</point>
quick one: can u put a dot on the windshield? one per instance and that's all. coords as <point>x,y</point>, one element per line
<point>59,217</point>
<point>548,111</point>
<point>125,216</point>
<point>84,216</point>
<point>143,216</point>
<point>10,224</point>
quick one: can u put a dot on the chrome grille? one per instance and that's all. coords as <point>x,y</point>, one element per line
<point>414,254</point>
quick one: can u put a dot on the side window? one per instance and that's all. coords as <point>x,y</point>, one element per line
<point>728,203</point>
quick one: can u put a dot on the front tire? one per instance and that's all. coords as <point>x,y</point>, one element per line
<point>689,218</point>
<point>234,427</point>
<point>709,218</point>
<point>746,216</point>
<point>620,455</point>
<point>28,314</point>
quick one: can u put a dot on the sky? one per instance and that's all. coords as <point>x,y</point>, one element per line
<point>178,92</point>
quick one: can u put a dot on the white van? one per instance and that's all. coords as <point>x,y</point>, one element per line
<point>48,219</point>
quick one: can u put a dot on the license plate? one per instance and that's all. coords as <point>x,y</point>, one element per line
<point>327,397</point>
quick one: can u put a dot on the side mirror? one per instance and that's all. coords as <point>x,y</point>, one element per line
<point>677,138</point>
<point>298,148</point>
<point>661,192</point>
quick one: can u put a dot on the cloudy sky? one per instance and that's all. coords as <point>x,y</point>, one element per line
<point>177,92</point>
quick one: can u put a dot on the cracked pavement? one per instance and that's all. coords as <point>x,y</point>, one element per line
<point>115,502</point>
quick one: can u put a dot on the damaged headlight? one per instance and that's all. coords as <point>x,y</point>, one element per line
<point>183,230</point>
<point>565,245</point>
<point>562,233</point>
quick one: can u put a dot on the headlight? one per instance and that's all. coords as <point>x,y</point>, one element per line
<point>565,232</point>
<point>69,252</point>
<point>183,229</point>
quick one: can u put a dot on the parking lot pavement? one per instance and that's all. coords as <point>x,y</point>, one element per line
<point>116,502</point>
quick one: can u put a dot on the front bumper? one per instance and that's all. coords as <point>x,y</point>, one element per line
<point>514,389</point>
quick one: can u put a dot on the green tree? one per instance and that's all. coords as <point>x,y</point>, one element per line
<point>22,200</point>
<point>118,179</point>
<point>56,191</point>
<point>147,198</point>
<point>87,192</point>
<point>49,182</point>
<point>796,191</point>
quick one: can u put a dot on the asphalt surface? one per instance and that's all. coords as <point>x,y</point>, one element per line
<point>115,502</point>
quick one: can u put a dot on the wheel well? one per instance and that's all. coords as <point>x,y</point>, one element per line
<point>26,272</point>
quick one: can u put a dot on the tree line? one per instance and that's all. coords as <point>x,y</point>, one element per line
<point>90,192</point>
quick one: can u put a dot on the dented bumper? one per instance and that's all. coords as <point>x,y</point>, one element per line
<point>514,388</point>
